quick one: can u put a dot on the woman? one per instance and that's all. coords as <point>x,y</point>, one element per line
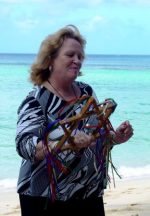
<point>54,73</point>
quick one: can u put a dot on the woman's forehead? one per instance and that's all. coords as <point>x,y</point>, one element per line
<point>71,44</point>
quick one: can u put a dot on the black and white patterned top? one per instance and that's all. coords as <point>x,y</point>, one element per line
<point>85,179</point>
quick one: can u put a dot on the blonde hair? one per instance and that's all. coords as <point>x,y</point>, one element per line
<point>48,51</point>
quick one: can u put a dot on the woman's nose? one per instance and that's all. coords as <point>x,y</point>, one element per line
<point>76,60</point>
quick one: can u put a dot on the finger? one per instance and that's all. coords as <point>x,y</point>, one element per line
<point>128,136</point>
<point>128,129</point>
<point>127,122</point>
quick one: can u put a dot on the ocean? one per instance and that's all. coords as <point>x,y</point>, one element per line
<point>124,78</point>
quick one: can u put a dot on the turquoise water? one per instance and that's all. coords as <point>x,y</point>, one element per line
<point>128,86</point>
<point>131,91</point>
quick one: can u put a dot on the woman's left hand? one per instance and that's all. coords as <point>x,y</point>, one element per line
<point>123,133</point>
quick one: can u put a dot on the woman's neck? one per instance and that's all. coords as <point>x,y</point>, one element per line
<point>67,91</point>
<point>61,85</point>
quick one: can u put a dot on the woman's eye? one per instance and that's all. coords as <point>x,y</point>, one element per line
<point>80,57</point>
<point>70,55</point>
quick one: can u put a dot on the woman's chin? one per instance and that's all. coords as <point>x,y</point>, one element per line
<point>74,73</point>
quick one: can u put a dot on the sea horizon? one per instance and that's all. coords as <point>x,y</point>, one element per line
<point>100,61</point>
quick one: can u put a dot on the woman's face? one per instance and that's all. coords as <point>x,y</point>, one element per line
<point>69,60</point>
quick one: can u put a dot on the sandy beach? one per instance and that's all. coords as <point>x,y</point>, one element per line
<point>128,198</point>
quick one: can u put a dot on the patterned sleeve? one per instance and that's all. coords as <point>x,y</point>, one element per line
<point>30,127</point>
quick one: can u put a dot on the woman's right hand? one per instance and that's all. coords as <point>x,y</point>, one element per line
<point>40,151</point>
<point>83,140</point>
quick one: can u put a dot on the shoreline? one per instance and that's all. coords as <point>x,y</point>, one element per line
<point>128,198</point>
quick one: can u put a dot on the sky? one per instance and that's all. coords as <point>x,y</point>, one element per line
<point>109,26</point>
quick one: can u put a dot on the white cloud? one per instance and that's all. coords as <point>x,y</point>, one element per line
<point>4,12</point>
<point>22,1</point>
<point>143,2</point>
<point>11,1</point>
<point>133,2</point>
<point>52,2</point>
<point>78,3</point>
<point>93,23</point>
<point>24,18</point>
<point>26,25</point>
<point>92,2</point>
